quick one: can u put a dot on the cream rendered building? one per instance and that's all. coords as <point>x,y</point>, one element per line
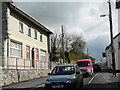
<point>25,42</point>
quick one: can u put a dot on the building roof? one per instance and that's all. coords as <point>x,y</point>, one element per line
<point>21,12</point>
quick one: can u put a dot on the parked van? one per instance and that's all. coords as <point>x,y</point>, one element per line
<point>85,66</point>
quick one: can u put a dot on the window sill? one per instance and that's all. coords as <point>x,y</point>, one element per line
<point>16,57</point>
<point>29,35</point>
<point>27,58</point>
<point>21,32</point>
<point>35,38</point>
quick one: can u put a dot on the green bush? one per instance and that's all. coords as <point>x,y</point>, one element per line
<point>75,57</point>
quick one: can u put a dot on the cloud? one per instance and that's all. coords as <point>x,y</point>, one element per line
<point>97,46</point>
<point>78,17</point>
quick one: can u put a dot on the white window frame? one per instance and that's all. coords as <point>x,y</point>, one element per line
<point>29,31</point>
<point>35,34</point>
<point>41,37</point>
<point>27,52</point>
<point>43,55</point>
<point>16,49</point>
<point>37,54</point>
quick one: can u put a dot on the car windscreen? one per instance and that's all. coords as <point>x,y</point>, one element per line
<point>83,63</point>
<point>63,70</point>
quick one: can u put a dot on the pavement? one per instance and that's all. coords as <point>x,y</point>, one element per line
<point>30,84</point>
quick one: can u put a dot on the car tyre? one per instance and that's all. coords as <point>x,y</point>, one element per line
<point>80,86</point>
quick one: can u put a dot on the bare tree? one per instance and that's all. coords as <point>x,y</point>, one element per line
<point>72,43</point>
<point>78,44</point>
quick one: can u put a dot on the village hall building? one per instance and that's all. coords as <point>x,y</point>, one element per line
<point>24,42</point>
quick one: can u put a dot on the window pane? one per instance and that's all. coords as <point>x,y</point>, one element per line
<point>41,37</point>
<point>15,49</point>
<point>35,34</point>
<point>28,52</point>
<point>29,31</point>
<point>37,54</point>
<point>43,55</point>
<point>20,26</point>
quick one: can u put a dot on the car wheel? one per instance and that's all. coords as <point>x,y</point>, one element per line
<point>80,86</point>
<point>76,87</point>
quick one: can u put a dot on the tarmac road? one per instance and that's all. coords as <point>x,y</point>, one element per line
<point>103,80</point>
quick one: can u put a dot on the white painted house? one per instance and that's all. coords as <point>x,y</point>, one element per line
<point>116,45</point>
<point>117,53</point>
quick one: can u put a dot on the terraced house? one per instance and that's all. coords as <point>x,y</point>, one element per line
<point>24,42</point>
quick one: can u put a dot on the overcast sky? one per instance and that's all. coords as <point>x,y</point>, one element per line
<point>77,17</point>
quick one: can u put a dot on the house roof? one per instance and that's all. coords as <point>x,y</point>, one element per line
<point>21,12</point>
<point>113,38</point>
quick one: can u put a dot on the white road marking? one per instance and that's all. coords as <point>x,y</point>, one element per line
<point>91,80</point>
<point>42,85</point>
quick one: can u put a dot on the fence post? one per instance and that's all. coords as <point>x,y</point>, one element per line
<point>36,64</point>
<point>30,63</point>
<point>17,70</point>
<point>16,64</point>
<point>24,63</point>
<point>7,63</point>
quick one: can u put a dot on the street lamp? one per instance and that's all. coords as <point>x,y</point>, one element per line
<point>111,34</point>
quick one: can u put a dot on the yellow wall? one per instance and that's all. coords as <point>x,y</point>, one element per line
<point>23,37</point>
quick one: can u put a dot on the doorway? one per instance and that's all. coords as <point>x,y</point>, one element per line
<point>33,63</point>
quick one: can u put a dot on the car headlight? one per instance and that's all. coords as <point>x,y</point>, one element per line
<point>47,82</point>
<point>89,70</point>
<point>68,81</point>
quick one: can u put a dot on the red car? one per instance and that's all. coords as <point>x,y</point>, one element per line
<point>85,66</point>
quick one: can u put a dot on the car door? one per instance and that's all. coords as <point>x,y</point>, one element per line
<point>79,77</point>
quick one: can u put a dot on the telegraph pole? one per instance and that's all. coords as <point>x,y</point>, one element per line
<point>87,51</point>
<point>112,44</point>
<point>101,59</point>
<point>63,45</point>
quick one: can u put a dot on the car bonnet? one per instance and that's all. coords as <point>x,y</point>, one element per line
<point>60,78</point>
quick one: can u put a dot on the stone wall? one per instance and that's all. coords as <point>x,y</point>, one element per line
<point>10,76</point>
<point>15,76</point>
